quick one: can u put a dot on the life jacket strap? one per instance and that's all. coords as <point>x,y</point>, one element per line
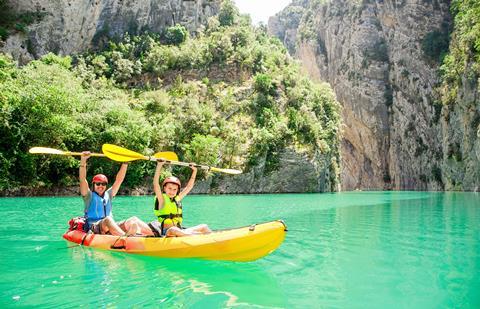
<point>170,216</point>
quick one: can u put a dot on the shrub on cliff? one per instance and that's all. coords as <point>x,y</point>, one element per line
<point>228,14</point>
<point>435,45</point>
<point>176,35</point>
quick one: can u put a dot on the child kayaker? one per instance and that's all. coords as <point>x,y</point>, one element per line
<point>98,204</point>
<point>168,207</point>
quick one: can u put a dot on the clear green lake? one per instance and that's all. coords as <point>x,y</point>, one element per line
<point>342,250</point>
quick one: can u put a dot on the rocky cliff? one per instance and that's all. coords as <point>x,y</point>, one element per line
<point>297,174</point>
<point>461,139</point>
<point>69,27</point>
<point>382,60</point>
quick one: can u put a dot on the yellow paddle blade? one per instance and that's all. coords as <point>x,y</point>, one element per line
<point>225,170</point>
<point>121,154</point>
<point>46,150</point>
<point>166,155</point>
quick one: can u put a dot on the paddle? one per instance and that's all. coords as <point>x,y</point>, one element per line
<point>121,154</point>
<point>167,155</point>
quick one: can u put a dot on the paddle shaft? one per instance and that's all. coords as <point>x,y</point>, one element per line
<point>68,153</point>
<point>203,167</point>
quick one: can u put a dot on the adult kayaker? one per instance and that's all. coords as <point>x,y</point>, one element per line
<point>98,203</point>
<point>168,207</point>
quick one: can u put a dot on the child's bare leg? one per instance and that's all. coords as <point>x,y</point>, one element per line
<point>177,232</point>
<point>200,229</point>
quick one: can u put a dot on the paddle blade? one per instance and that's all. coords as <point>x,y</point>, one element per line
<point>226,170</point>
<point>121,154</point>
<point>46,150</point>
<point>166,155</point>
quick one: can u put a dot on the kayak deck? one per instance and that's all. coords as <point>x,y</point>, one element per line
<point>240,244</point>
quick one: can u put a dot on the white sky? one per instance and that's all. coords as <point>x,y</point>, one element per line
<point>261,10</point>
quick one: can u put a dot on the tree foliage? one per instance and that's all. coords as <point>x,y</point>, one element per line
<point>463,59</point>
<point>228,14</point>
<point>176,35</point>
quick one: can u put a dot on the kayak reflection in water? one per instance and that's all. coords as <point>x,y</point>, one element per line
<point>168,207</point>
<point>98,204</point>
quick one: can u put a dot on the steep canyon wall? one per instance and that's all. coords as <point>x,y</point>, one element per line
<point>382,59</point>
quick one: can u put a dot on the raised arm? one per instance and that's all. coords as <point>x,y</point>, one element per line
<point>156,184</point>
<point>119,179</point>
<point>82,173</point>
<point>190,183</point>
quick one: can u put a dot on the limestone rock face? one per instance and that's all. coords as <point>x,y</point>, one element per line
<point>70,27</point>
<point>461,139</point>
<point>296,173</point>
<point>371,53</point>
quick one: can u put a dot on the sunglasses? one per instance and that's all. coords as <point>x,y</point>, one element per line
<point>100,184</point>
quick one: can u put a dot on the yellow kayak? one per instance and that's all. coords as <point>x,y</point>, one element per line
<point>243,244</point>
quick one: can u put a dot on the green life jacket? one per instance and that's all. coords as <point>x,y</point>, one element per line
<point>171,212</point>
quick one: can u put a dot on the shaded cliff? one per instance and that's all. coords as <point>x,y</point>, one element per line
<point>382,59</point>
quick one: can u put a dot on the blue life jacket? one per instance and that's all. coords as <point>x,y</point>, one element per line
<point>99,208</point>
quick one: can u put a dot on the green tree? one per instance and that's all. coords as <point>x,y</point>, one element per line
<point>176,35</point>
<point>228,13</point>
<point>204,149</point>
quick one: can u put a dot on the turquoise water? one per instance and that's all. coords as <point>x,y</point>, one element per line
<point>345,250</point>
